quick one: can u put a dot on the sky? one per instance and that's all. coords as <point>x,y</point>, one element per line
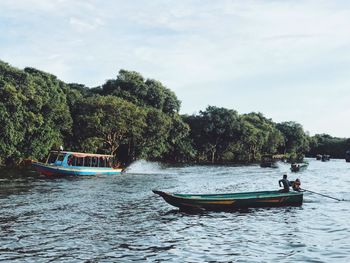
<point>289,60</point>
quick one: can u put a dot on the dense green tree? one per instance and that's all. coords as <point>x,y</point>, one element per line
<point>153,143</point>
<point>180,144</point>
<point>259,135</point>
<point>295,139</point>
<point>34,113</point>
<point>213,130</point>
<point>347,144</point>
<point>155,96</point>
<point>134,117</point>
<point>326,144</point>
<point>12,120</point>
<point>103,123</point>
<point>131,86</point>
<point>221,135</point>
<point>171,103</point>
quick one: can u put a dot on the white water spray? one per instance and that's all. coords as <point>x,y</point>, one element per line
<point>144,167</point>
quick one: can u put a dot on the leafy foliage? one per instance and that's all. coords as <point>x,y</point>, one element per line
<point>295,139</point>
<point>221,135</point>
<point>33,112</point>
<point>131,86</point>
<point>326,144</point>
<point>133,117</point>
<point>107,123</point>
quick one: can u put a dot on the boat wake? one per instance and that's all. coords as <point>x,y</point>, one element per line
<point>144,167</point>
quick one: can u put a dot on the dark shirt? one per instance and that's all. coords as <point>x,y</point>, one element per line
<point>285,183</point>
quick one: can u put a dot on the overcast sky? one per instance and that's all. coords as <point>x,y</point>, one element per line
<point>289,60</point>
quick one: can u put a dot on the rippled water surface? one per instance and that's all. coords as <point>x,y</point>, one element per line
<point>119,219</point>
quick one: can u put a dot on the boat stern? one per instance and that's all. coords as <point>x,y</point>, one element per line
<point>42,168</point>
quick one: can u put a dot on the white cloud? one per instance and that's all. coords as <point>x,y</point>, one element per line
<point>248,55</point>
<point>85,25</point>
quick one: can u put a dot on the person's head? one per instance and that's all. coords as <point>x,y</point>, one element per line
<point>284,176</point>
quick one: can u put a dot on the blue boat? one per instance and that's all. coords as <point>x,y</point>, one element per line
<point>60,163</point>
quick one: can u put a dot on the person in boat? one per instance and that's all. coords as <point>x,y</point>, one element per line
<point>286,184</point>
<point>296,185</point>
<point>116,164</point>
<point>70,160</point>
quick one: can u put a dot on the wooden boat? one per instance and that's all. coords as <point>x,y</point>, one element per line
<point>60,163</point>
<point>297,167</point>
<point>268,160</point>
<point>232,201</point>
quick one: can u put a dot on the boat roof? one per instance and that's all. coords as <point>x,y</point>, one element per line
<point>79,154</point>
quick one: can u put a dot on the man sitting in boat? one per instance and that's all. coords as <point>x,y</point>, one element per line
<point>286,184</point>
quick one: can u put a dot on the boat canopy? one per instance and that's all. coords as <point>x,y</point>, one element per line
<point>82,155</point>
<point>65,158</point>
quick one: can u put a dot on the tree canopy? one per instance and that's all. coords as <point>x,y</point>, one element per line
<point>326,144</point>
<point>132,86</point>
<point>133,117</point>
<point>33,111</point>
<point>295,139</point>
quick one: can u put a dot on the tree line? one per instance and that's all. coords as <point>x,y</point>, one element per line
<point>136,118</point>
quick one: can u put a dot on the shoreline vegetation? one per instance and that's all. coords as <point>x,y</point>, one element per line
<point>136,118</point>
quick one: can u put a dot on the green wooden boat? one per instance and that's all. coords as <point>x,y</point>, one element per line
<point>298,167</point>
<point>232,201</point>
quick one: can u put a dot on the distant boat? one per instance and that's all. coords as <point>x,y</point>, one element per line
<point>347,156</point>
<point>268,160</point>
<point>318,157</point>
<point>232,201</point>
<point>325,158</point>
<point>297,167</point>
<point>60,163</point>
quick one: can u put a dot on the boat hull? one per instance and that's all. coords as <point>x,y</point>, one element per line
<point>298,168</point>
<point>269,165</point>
<point>54,170</point>
<point>227,202</point>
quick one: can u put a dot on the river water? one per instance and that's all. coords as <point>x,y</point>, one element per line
<point>119,219</point>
